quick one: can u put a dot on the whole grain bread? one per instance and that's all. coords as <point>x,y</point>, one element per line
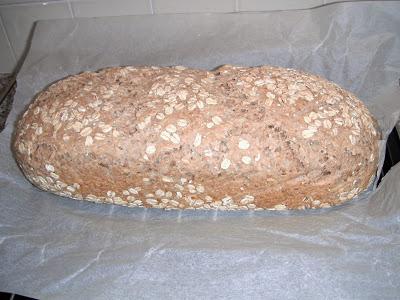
<point>235,138</point>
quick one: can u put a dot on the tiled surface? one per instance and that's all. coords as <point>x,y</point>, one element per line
<point>20,1</point>
<point>7,59</point>
<point>97,8</point>
<point>333,1</point>
<point>18,20</point>
<point>182,6</point>
<point>18,16</point>
<point>261,5</point>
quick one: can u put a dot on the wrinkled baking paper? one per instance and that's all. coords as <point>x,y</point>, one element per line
<point>56,248</point>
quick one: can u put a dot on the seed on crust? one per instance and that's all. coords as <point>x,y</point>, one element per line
<point>246,160</point>
<point>313,115</point>
<point>151,201</point>
<point>77,126</point>
<point>88,141</point>
<point>167,179</point>
<point>200,189</point>
<point>54,175</point>
<point>243,144</point>
<point>280,207</point>
<point>150,149</point>
<point>133,191</point>
<point>216,120</point>
<point>165,135</point>
<point>175,138</point>
<point>106,128</point>
<point>182,122</point>
<point>307,133</point>
<point>49,168</point>
<point>168,110</point>
<point>225,163</point>
<point>271,95</point>
<point>99,136</point>
<point>86,131</point>
<point>39,131</point>
<point>171,128</point>
<point>160,116</point>
<point>208,152</point>
<point>174,203</point>
<point>182,94</point>
<point>247,199</point>
<point>159,193</point>
<point>352,139</point>
<point>211,101</point>
<point>197,140</point>
<point>327,124</point>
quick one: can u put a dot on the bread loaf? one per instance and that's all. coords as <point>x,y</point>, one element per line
<point>235,138</point>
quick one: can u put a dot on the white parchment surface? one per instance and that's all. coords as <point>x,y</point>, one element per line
<point>56,248</point>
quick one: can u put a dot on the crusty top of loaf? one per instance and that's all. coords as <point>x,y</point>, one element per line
<point>232,138</point>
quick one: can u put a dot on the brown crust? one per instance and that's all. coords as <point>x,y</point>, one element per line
<point>234,138</point>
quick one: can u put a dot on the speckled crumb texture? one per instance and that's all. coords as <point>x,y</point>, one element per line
<point>235,138</point>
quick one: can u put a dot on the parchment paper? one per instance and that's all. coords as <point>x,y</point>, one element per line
<point>56,248</point>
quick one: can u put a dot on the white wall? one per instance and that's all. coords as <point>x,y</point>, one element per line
<point>17,16</point>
